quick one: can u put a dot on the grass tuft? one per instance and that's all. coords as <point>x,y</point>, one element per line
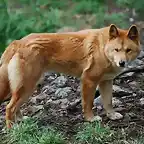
<point>28,132</point>
<point>94,133</point>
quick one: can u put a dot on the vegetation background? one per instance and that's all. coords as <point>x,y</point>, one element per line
<point>21,17</point>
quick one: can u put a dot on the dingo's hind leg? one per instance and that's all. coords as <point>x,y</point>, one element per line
<point>23,76</point>
<point>15,79</point>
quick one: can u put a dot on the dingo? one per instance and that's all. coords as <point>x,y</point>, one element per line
<point>96,56</point>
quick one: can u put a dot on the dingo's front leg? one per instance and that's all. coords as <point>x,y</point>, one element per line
<point>88,93</point>
<point>105,88</point>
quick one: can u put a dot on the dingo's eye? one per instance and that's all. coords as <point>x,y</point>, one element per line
<point>116,50</point>
<point>128,50</point>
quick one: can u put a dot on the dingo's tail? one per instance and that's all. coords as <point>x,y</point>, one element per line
<point>4,83</point>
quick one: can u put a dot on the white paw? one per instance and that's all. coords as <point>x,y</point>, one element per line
<point>114,115</point>
<point>96,118</point>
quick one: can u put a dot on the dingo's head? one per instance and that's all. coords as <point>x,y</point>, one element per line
<point>123,45</point>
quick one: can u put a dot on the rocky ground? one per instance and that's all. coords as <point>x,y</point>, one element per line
<point>50,102</point>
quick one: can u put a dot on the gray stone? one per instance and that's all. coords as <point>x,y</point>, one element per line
<point>2,117</point>
<point>141,55</point>
<point>38,98</point>
<point>97,100</point>
<point>127,117</point>
<point>116,102</point>
<point>51,78</point>
<point>132,115</point>
<point>142,101</point>
<point>60,81</point>
<point>135,63</point>
<point>98,103</point>
<point>118,89</point>
<point>79,88</point>
<point>49,101</point>
<point>63,92</point>
<point>62,102</point>
<point>49,73</point>
<point>129,74</point>
<point>49,89</point>
<point>134,84</point>
<point>35,109</point>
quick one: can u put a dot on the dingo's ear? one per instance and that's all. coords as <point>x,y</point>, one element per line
<point>113,31</point>
<point>133,33</point>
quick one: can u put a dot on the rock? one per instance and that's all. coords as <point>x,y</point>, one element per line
<point>60,81</point>
<point>134,84</point>
<point>33,100</point>
<point>49,101</point>
<point>38,98</point>
<point>62,102</point>
<point>98,103</point>
<point>135,63</point>
<point>2,109</point>
<point>50,78</point>
<point>72,106</point>
<point>63,92</point>
<point>141,55</point>
<point>116,102</point>
<point>127,117</point>
<point>35,109</point>
<point>118,89</point>
<point>50,73</point>
<point>77,118</point>
<point>97,100</point>
<point>132,115</point>
<point>129,74</point>
<point>59,101</point>
<point>79,89</point>
<point>49,89</point>
<point>2,117</point>
<point>142,101</point>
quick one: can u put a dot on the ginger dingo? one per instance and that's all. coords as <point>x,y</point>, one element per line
<point>96,56</point>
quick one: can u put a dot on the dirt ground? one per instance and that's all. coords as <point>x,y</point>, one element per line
<point>49,109</point>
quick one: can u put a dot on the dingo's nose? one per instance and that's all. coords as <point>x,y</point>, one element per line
<point>122,63</point>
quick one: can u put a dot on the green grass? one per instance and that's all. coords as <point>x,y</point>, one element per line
<point>21,17</point>
<point>94,134</point>
<point>28,132</point>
